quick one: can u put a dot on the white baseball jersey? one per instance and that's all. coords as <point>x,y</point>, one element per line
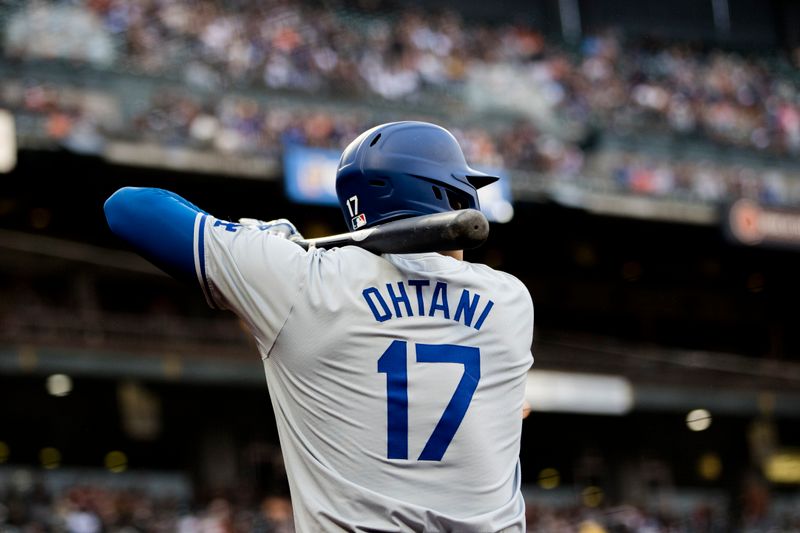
<point>397,381</point>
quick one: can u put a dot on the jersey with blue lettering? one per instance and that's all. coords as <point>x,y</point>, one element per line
<point>397,381</point>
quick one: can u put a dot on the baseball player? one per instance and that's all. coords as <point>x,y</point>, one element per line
<point>397,381</point>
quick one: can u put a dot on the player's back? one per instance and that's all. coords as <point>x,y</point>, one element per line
<point>398,385</point>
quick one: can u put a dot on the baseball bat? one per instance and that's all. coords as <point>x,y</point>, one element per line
<point>453,230</point>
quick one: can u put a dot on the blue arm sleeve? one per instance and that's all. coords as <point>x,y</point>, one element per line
<point>159,225</point>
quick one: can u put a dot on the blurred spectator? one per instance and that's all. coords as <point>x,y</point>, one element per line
<point>58,31</point>
<point>275,516</point>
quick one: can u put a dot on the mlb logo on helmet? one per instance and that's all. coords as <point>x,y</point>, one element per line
<point>359,221</point>
<point>356,220</point>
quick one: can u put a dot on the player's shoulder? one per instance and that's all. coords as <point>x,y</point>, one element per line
<point>507,283</point>
<point>350,261</point>
<point>499,275</point>
<point>346,253</point>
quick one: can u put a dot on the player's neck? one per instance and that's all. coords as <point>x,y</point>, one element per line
<point>455,254</point>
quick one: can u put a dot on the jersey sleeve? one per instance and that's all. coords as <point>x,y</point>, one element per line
<point>250,272</point>
<point>158,224</point>
<point>243,269</point>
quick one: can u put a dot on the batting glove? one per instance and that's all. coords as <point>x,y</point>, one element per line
<point>279,227</point>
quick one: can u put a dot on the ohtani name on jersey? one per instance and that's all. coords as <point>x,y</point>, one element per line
<point>416,297</point>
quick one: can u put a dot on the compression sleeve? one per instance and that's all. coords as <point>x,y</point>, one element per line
<point>159,225</point>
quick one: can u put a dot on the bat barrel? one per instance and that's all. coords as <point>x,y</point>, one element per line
<point>469,230</point>
<point>453,230</point>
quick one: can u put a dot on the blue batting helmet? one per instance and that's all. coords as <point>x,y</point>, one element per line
<point>405,169</point>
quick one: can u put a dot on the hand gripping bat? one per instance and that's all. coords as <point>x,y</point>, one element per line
<point>453,230</point>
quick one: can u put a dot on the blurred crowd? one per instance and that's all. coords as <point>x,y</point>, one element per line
<point>244,125</point>
<point>74,117</point>
<point>693,180</point>
<point>745,101</point>
<point>739,99</point>
<point>99,509</point>
<point>214,58</point>
<point>240,125</point>
<point>89,508</point>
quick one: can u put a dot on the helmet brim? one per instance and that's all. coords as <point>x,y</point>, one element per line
<point>479,179</point>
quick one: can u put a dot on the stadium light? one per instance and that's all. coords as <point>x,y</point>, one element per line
<point>59,385</point>
<point>592,496</point>
<point>709,466</point>
<point>698,420</point>
<point>567,392</point>
<point>116,461</point>
<point>50,458</point>
<point>549,478</point>
<point>783,466</point>
<point>8,142</point>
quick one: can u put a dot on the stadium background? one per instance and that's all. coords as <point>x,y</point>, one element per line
<point>626,132</point>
